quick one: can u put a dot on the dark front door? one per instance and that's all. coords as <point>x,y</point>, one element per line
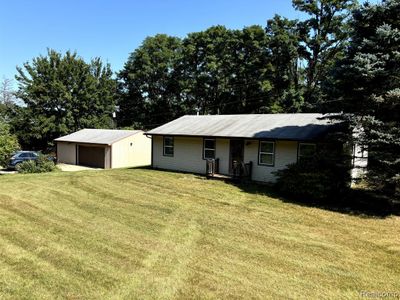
<point>236,154</point>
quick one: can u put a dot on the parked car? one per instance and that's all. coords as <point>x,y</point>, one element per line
<point>20,157</point>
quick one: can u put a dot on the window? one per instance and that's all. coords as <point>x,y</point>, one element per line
<point>266,155</point>
<point>168,146</point>
<point>359,151</point>
<point>208,148</point>
<point>306,151</point>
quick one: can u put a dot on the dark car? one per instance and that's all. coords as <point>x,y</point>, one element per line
<point>20,157</point>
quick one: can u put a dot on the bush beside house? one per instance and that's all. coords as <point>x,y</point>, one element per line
<point>316,178</point>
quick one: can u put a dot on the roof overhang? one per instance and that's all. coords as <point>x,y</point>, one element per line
<point>237,137</point>
<point>83,143</point>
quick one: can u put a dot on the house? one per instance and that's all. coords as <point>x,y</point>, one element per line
<point>105,148</point>
<point>260,143</point>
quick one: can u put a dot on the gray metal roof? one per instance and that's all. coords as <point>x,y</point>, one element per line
<point>268,126</point>
<point>97,136</point>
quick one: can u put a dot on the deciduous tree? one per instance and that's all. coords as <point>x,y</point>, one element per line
<point>62,94</point>
<point>283,44</point>
<point>149,88</point>
<point>323,37</point>
<point>8,143</point>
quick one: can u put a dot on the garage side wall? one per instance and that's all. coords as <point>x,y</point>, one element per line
<point>133,151</point>
<point>66,153</point>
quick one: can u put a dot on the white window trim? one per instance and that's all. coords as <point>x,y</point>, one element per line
<point>212,149</point>
<point>169,146</point>
<point>361,150</point>
<point>309,144</point>
<point>260,152</point>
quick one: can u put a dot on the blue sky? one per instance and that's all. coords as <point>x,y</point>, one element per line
<point>112,29</point>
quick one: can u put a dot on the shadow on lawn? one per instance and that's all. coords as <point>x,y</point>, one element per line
<point>356,202</point>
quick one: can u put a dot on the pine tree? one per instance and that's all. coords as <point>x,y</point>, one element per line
<point>367,88</point>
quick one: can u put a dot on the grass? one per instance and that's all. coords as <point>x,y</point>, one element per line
<point>150,234</point>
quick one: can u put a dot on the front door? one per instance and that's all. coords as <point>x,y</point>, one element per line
<point>236,150</point>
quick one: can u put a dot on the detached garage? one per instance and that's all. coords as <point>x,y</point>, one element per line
<point>105,148</point>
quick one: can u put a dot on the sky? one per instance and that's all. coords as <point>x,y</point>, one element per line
<point>113,29</point>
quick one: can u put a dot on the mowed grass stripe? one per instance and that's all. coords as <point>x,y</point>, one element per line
<point>149,234</point>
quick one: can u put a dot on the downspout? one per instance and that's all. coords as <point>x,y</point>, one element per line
<point>152,148</point>
<point>111,156</point>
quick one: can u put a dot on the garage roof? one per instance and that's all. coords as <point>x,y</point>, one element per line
<point>97,136</point>
<point>268,126</point>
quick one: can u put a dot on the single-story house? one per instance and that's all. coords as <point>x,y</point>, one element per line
<point>105,148</point>
<point>266,142</point>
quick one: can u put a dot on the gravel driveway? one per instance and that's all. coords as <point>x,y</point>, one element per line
<point>4,172</point>
<point>74,168</point>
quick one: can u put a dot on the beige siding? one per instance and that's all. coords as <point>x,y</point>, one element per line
<point>285,153</point>
<point>133,151</point>
<point>187,157</point>
<point>66,153</point>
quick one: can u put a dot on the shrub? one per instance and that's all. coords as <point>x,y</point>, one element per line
<point>41,165</point>
<point>314,179</point>
<point>28,166</point>
<point>8,144</point>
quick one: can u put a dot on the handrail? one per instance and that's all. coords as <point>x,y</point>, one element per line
<point>212,167</point>
<point>240,169</point>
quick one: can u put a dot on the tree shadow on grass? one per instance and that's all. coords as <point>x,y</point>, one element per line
<point>355,202</point>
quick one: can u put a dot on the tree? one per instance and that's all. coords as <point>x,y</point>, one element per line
<point>323,37</point>
<point>366,85</point>
<point>226,71</point>
<point>283,44</point>
<point>8,143</point>
<point>251,74</point>
<point>203,66</point>
<point>149,90</point>
<point>62,94</point>
<point>7,98</point>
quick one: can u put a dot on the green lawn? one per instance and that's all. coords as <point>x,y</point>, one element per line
<point>151,234</point>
